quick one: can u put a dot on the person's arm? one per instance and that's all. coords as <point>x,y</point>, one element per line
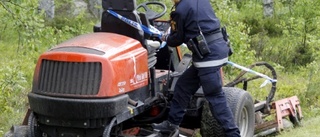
<point>176,37</point>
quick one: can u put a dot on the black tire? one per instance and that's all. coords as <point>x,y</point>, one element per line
<point>33,129</point>
<point>242,107</point>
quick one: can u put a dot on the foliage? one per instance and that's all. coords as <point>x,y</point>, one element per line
<point>310,128</point>
<point>25,33</point>
<point>289,41</point>
<point>14,86</point>
<point>290,37</point>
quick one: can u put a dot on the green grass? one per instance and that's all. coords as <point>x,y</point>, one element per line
<point>310,128</point>
<point>15,78</point>
<point>17,64</point>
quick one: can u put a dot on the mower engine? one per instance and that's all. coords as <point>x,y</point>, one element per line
<point>83,81</point>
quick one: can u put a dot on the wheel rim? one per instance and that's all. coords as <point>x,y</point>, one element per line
<point>244,121</point>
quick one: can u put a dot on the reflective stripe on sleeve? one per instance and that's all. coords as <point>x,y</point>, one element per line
<point>211,63</point>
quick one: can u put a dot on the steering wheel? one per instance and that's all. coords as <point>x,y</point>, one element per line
<point>151,14</point>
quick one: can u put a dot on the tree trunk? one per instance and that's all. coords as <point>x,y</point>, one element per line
<point>93,6</point>
<point>48,7</point>
<point>268,8</point>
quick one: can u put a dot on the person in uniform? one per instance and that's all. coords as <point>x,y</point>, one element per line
<point>187,19</point>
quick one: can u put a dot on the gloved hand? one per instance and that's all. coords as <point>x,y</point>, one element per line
<point>164,37</point>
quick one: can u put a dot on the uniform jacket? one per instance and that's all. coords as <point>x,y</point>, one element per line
<point>183,20</point>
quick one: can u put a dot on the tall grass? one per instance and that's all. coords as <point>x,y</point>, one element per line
<point>25,34</point>
<point>15,78</point>
<point>310,128</point>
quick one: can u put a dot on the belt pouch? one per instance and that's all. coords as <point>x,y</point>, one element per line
<point>202,44</point>
<point>194,48</point>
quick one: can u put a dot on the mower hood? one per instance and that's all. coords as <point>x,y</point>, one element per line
<point>87,66</point>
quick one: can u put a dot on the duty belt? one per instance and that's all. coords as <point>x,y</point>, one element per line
<point>214,36</point>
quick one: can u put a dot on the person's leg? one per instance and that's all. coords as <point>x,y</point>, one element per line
<point>186,86</point>
<point>212,88</point>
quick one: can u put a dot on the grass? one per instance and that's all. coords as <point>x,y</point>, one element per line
<point>15,79</point>
<point>17,65</point>
<point>14,115</point>
<point>310,128</point>
<point>12,62</point>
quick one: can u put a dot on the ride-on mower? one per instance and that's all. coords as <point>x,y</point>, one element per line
<point>117,80</point>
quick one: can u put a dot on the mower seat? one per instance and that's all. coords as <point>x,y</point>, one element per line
<point>127,9</point>
<point>145,22</point>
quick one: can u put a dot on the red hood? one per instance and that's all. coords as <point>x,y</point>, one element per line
<point>109,43</point>
<point>123,60</point>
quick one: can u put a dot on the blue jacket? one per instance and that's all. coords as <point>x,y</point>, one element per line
<point>184,18</point>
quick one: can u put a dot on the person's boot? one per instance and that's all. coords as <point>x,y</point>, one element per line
<point>165,127</point>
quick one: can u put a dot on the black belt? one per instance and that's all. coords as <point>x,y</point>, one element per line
<point>214,36</point>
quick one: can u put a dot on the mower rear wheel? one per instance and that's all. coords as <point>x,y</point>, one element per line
<point>242,107</point>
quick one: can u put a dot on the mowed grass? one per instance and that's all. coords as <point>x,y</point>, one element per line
<point>310,128</point>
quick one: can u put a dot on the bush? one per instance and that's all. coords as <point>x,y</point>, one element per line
<point>289,41</point>
<point>25,34</point>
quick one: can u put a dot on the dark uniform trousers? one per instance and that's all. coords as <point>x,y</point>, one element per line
<point>210,80</point>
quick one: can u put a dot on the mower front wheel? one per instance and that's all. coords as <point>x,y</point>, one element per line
<point>33,129</point>
<point>242,107</point>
